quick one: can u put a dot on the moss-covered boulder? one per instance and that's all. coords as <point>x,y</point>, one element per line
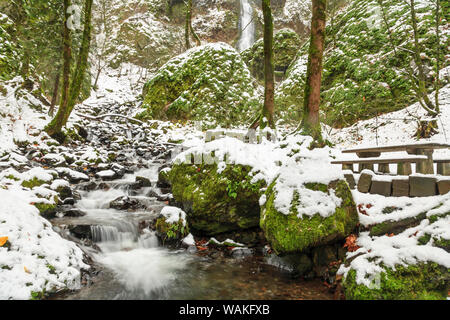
<point>209,83</point>
<point>286,44</point>
<point>424,281</point>
<point>171,226</point>
<point>362,75</point>
<point>216,202</point>
<point>292,232</point>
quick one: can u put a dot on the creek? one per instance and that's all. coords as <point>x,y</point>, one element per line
<point>135,265</point>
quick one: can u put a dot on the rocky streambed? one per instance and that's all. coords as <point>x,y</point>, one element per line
<point>129,261</point>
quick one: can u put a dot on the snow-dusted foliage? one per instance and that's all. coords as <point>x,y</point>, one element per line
<point>37,260</point>
<point>9,52</point>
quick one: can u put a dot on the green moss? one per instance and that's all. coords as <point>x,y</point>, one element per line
<point>396,226</point>
<point>12,177</point>
<point>211,206</point>
<point>52,269</point>
<point>415,282</point>
<point>208,83</point>
<point>286,43</point>
<point>32,183</point>
<point>35,295</point>
<point>289,233</point>
<point>45,208</point>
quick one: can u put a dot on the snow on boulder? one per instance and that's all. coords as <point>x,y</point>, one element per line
<point>209,83</point>
<point>414,264</point>
<point>221,193</point>
<point>309,204</point>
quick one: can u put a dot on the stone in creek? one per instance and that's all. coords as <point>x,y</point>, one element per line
<point>144,182</point>
<point>65,192</point>
<point>69,201</point>
<point>420,186</point>
<point>91,186</point>
<point>106,175</point>
<point>382,188</point>
<point>81,231</point>
<point>76,195</point>
<point>364,182</point>
<point>74,213</point>
<point>400,187</point>
<point>443,186</point>
<point>118,169</point>
<point>125,203</point>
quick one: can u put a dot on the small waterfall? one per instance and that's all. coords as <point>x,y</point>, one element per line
<point>123,236</point>
<point>247,26</point>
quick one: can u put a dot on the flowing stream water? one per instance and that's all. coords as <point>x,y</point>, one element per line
<point>247,26</point>
<point>135,265</point>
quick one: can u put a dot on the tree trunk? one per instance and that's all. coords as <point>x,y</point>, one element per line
<point>70,97</point>
<point>55,93</point>
<point>99,70</point>
<point>56,124</point>
<point>310,121</point>
<point>417,59</point>
<point>438,50</point>
<point>269,83</point>
<point>188,24</point>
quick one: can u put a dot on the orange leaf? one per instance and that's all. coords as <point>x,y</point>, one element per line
<point>3,241</point>
<point>26,269</point>
<point>350,243</point>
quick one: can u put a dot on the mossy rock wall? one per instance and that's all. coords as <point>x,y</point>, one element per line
<point>209,83</point>
<point>216,202</point>
<point>285,47</point>
<point>425,281</point>
<point>291,234</point>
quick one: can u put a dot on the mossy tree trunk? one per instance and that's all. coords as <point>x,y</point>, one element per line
<point>188,27</point>
<point>269,82</point>
<point>421,87</point>
<point>438,57</point>
<point>70,95</point>
<point>54,127</point>
<point>310,122</point>
<point>55,92</point>
<point>266,118</point>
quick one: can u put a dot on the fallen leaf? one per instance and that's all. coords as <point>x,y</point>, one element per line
<point>3,241</point>
<point>350,243</point>
<point>26,269</point>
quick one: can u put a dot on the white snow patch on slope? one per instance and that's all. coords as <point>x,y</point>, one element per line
<point>38,258</point>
